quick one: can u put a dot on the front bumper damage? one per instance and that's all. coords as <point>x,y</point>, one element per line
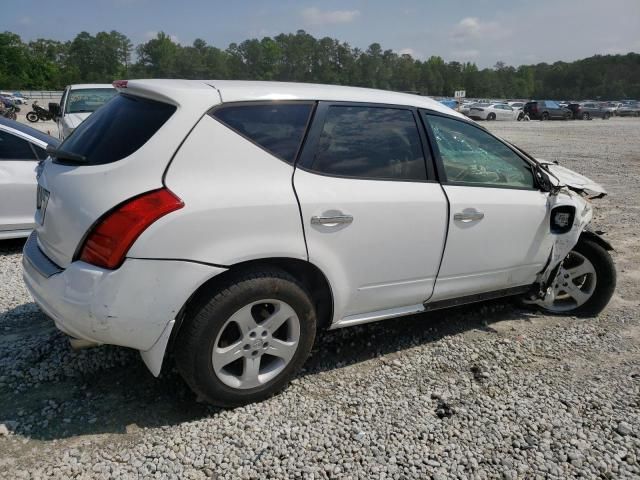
<point>569,189</point>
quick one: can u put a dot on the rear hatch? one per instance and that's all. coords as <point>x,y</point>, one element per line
<point>119,152</point>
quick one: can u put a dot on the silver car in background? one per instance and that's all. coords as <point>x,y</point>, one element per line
<point>21,148</point>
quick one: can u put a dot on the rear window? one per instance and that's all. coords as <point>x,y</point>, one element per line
<point>275,127</point>
<point>119,128</point>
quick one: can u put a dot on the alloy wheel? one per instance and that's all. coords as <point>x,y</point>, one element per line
<point>574,284</point>
<point>256,344</point>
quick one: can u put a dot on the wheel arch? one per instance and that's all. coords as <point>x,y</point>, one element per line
<point>313,279</point>
<point>596,238</point>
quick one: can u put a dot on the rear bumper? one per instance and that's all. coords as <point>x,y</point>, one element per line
<point>131,306</point>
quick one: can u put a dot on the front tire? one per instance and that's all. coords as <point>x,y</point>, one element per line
<point>245,340</point>
<point>585,281</point>
<point>32,117</point>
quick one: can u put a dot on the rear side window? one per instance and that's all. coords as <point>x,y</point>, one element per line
<point>118,129</point>
<point>276,127</point>
<point>370,143</point>
<point>14,148</point>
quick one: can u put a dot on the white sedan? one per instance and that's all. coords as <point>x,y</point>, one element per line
<point>229,221</point>
<point>493,111</point>
<point>21,148</point>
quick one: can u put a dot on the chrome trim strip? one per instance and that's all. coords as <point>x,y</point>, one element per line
<point>375,316</point>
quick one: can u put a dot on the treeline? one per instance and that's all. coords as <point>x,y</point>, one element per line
<point>50,64</point>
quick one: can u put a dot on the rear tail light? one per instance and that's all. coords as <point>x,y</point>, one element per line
<point>110,239</point>
<point>120,84</point>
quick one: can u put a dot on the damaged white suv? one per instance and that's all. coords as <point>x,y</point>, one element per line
<point>228,221</point>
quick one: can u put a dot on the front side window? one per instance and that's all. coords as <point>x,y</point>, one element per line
<point>551,104</point>
<point>471,156</point>
<point>276,127</point>
<point>87,100</point>
<point>371,143</point>
<point>14,148</point>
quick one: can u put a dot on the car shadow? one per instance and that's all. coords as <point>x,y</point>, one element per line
<point>12,246</point>
<point>48,391</point>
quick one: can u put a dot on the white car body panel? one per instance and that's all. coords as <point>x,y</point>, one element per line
<point>506,248</point>
<point>129,306</point>
<point>389,255</point>
<point>248,212</point>
<point>68,218</point>
<point>566,177</point>
<point>17,197</point>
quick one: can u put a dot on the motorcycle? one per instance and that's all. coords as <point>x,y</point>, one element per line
<point>11,112</point>
<point>39,113</point>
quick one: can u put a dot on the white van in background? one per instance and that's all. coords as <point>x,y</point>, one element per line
<point>77,103</point>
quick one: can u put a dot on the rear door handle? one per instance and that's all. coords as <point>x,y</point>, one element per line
<point>468,215</point>
<point>331,220</point>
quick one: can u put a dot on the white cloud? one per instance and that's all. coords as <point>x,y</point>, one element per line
<point>315,16</point>
<point>409,51</point>
<point>472,29</point>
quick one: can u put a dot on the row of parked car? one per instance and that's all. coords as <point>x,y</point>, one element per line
<point>546,109</point>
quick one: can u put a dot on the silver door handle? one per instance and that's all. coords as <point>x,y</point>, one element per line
<point>468,216</point>
<point>331,220</point>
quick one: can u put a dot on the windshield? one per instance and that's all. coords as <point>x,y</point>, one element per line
<point>87,100</point>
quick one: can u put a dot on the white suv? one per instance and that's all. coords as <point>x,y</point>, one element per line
<point>228,221</point>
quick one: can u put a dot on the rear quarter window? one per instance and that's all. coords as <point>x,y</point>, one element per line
<point>118,129</point>
<point>276,127</point>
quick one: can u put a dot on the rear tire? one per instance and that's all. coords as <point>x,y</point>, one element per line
<point>244,315</point>
<point>604,278</point>
<point>585,116</point>
<point>544,116</point>
<point>32,117</point>
<point>491,116</point>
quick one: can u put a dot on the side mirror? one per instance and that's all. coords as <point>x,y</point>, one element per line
<point>54,109</point>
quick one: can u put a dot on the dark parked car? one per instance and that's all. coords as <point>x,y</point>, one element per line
<point>546,110</point>
<point>588,110</point>
<point>629,110</point>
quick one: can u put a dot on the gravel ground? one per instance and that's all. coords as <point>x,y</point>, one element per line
<point>488,391</point>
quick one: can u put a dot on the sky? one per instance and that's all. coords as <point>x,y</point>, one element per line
<point>481,31</point>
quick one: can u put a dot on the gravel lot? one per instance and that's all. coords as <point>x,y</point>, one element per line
<point>488,391</point>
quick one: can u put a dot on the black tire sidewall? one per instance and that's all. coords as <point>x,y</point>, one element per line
<point>212,316</point>
<point>31,116</point>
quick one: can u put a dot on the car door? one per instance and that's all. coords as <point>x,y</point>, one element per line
<point>374,218</point>
<point>555,110</point>
<point>509,112</point>
<point>499,235</point>
<point>60,118</point>
<point>18,163</point>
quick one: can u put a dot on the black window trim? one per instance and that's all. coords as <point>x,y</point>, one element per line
<point>306,156</point>
<point>222,106</point>
<point>442,176</point>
